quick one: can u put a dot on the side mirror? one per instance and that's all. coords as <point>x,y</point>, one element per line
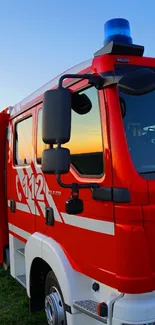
<point>56,161</point>
<point>56,124</point>
<point>56,129</point>
<point>81,103</point>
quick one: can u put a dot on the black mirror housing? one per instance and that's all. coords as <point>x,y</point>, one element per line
<point>74,205</point>
<point>81,104</point>
<point>56,123</point>
<point>56,161</point>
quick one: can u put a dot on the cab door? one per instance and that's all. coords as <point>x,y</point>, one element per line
<point>21,211</point>
<point>84,236</point>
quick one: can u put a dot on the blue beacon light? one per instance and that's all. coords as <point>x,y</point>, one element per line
<point>117,30</point>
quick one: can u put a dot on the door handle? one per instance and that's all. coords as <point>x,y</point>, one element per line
<point>12,205</point>
<point>49,215</point>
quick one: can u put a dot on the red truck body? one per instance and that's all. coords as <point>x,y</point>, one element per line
<point>111,242</point>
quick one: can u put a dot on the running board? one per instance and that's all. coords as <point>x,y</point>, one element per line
<point>90,308</point>
<point>22,279</point>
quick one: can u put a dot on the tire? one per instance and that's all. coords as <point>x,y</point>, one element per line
<point>54,301</point>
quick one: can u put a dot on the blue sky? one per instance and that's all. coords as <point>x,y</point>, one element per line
<point>42,38</point>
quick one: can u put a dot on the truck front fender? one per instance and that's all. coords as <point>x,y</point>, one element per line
<point>74,285</point>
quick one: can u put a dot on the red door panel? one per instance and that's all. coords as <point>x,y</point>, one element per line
<point>20,173</point>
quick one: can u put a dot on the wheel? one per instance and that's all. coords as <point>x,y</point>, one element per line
<point>54,302</point>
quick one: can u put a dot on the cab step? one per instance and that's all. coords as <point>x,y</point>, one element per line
<point>22,279</point>
<point>90,308</point>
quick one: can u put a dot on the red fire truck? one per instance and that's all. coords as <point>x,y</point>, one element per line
<point>77,185</point>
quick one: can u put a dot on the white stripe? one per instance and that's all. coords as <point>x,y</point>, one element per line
<point>29,171</point>
<point>95,225</point>
<point>104,227</point>
<point>18,231</point>
<point>38,169</point>
<point>49,198</point>
<point>20,173</point>
<point>42,207</point>
<point>31,203</point>
<point>32,206</point>
<point>21,177</point>
<point>22,207</point>
<point>52,204</point>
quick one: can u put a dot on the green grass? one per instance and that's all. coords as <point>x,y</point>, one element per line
<point>14,308</point>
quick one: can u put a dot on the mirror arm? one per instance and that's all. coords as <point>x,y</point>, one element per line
<point>59,181</point>
<point>75,186</point>
<point>95,80</point>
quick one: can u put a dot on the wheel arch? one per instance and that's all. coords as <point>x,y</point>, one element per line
<point>37,279</point>
<point>47,253</point>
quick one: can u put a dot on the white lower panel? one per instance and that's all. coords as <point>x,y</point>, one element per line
<point>12,256</point>
<point>17,258</point>
<point>135,309</point>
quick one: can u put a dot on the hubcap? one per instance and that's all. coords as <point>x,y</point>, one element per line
<point>54,308</point>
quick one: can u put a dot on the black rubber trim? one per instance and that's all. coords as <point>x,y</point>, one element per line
<point>121,49</point>
<point>121,195</point>
<point>121,69</point>
<point>68,308</point>
<point>116,195</point>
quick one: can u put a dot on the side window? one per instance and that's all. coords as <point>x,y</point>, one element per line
<point>23,142</point>
<point>41,146</point>
<point>86,138</point>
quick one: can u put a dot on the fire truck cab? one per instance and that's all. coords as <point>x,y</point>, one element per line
<point>77,186</point>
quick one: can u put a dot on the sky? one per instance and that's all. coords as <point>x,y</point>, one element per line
<point>42,38</point>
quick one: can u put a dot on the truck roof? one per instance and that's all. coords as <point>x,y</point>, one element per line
<point>37,95</point>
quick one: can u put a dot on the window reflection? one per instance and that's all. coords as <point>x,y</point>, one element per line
<point>23,142</point>
<point>86,138</point>
<point>139,125</point>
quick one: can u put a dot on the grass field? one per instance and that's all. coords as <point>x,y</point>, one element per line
<point>14,303</point>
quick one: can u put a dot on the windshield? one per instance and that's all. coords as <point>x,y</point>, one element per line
<point>139,122</point>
